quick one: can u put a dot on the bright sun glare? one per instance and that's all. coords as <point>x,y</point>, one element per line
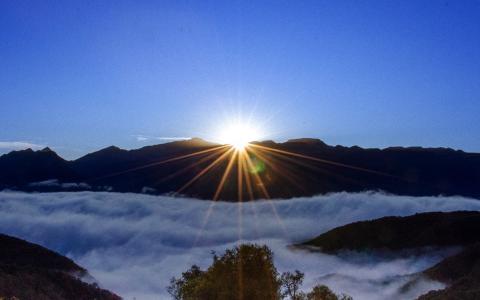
<point>239,135</point>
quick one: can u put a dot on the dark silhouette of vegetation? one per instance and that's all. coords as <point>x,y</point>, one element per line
<point>291,283</point>
<point>290,289</point>
<point>244,272</point>
<point>322,292</point>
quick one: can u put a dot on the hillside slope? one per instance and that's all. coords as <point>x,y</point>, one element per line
<point>460,272</point>
<point>29,271</point>
<point>437,229</point>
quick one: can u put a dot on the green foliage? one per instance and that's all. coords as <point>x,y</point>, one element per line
<point>321,292</point>
<point>246,272</point>
<point>186,287</point>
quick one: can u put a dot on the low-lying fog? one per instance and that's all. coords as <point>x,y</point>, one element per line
<point>133,244</point>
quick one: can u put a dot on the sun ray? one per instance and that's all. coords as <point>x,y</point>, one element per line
<point>248,185</point>
<point>240,176</point>
<point>260,183</point>
<point>240,193</point>
<point>205,170</point>
<point>248,182</point>
<point>225,175</point>
<point>217,192</point>
<point>316,168</point>
<point>240,153</point>
<point>281,158</point>
<point>278,169</point>
<point>199,162</point>
<point>160,162</point>
<point>267,196</point>
<point>310,166</point>
<point>321,160</point>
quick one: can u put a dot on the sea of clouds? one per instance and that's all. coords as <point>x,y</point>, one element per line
<point>133,244</point>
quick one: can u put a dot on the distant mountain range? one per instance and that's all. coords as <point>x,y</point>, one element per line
<point>316,168</point>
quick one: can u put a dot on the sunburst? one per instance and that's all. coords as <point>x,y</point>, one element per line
<point>239,135</point>
<point>250,160</point>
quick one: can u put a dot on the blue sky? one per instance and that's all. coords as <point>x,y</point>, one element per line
<point>80,75</point>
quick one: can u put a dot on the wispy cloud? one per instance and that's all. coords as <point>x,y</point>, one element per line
<point>144,138</point>
<point>134,243</point>
<point>19,145</point>
<point>57,183</point>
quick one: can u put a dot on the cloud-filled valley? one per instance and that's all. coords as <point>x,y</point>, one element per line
<point>133,244</point>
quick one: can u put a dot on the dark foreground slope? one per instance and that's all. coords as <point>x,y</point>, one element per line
<point>460,272</point>
<point>29,271</point>
<point>396,233</point>
<point>405,171</point>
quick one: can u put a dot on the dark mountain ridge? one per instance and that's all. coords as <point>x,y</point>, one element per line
<point>433,229</point>
<point>316,168</point>
<point>460,272</point>
<point>29,271</point>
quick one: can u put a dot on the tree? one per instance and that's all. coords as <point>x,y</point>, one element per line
<point>322,292</point>
<point>184,288</point>
<point>244,272</point>
<point>291,283</point>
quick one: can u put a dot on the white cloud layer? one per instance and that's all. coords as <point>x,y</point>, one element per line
<point>144,138</point>
<point>19,145</point>
<point>133,244</point>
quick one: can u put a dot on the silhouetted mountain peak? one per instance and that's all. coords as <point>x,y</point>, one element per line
<point>111,149</point>
<point>100,156</point>
<point>265,142</point>
<point>46,150</point>
<point>310,141</point>
<point>20,152</point>
<point>195,141</point>
<point>29,153</point>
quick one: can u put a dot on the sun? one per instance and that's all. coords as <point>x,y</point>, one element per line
<point>239,135</point>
